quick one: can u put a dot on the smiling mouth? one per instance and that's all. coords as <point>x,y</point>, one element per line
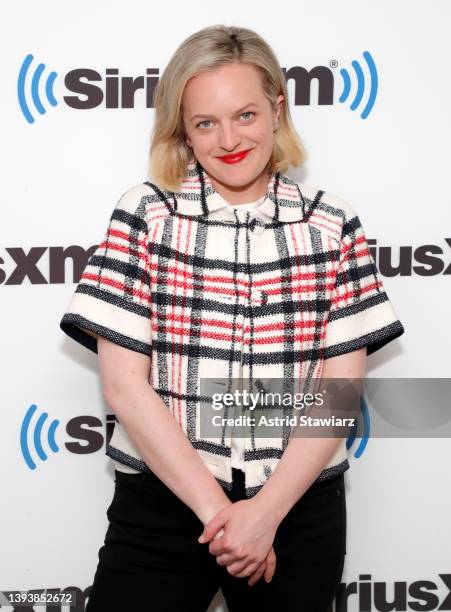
<point>235,157</point>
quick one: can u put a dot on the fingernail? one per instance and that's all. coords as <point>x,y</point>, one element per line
<point>200,539</point>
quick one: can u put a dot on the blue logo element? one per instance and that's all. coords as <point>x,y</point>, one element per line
<point>366,430</point>
<point>361,85</point>
<point>35,79</point>
<point>37,436</point>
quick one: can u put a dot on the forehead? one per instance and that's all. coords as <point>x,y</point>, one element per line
<point>235,84</point>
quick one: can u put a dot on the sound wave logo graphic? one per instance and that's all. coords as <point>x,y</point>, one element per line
<point>35,81</point>
<point>361,85</point>
<point>37,434</point>
<point>366,430</point>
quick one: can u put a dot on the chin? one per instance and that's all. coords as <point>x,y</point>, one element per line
<point>234,174</point>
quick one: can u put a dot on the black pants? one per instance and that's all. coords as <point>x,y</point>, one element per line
<point>151,559</point>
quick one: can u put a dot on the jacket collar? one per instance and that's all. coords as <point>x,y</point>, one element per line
<point>283,202</point>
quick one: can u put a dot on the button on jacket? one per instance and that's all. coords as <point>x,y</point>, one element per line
<point>209,291</point>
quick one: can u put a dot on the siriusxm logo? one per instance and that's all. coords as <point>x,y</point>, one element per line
<point>371,86</point>
<point>37,435</point>
<point>424,594</point>
<point>35,87</point>
<point>42,265</point>
<point>365,433</point>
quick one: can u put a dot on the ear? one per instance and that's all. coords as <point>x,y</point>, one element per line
<point>277,111</point>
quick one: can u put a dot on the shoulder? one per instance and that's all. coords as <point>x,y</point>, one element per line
<point>328,202</point>
<point>143,201</point>
<point>322,206</point>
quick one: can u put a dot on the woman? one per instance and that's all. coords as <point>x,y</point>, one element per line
<point>222,268</point>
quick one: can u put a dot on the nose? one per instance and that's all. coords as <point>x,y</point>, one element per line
<point>229,137</point>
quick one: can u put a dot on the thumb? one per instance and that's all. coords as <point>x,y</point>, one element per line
<point>212,527</point>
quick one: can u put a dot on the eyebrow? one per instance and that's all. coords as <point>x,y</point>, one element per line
<point>238,111</point>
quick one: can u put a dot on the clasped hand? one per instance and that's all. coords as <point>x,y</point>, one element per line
<point>241,537</point>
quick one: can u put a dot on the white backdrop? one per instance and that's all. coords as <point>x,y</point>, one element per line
<point>63,174</point>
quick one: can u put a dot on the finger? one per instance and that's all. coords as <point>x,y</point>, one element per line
<point>229,558</point>
<point>219,548</point>
<point>219,534</point>
<point>225,559</point>
<point>235,568</point>
<point>270,565</point>
<point>210,533</point>
<point>257,574</point>
<point>212,527</point>
<point>248,570</point>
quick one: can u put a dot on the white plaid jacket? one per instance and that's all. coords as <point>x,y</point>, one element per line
<point>211,291</point>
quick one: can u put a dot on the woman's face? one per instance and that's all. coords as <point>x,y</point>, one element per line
<point>225,111</point>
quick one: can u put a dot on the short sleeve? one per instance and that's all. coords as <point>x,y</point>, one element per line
<point>113,295</point>
<point>361,313</point>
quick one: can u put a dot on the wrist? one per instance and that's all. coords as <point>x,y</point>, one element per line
<point>270,505</point>
<point>211,507</point>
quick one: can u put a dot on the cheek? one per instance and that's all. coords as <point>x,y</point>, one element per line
<point>203,142</point>
<point>263,133</point>
<point>265,138</point>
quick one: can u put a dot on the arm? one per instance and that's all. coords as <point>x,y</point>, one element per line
<point>162,444</point>
<point>154,431</point>
<point>250,525</point>
<point>304,458</point>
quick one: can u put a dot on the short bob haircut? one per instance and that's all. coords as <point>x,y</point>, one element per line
<point>206,50</point>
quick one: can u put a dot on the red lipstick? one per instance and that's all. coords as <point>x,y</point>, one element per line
<point>234,157</point>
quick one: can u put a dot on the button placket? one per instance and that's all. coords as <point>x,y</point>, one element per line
<point>242,217</point>
<point>254,299</point>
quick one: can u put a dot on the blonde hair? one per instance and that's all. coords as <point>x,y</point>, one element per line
<point>205,50</point>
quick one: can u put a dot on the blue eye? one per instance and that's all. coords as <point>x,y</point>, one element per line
<point>199,124</point>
